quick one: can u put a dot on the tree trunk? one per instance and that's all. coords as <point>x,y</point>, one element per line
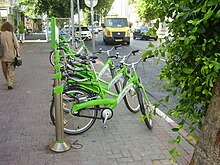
<point>207,149</point>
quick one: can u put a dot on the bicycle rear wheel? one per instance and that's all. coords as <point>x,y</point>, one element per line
<point>131,98</point>
<point>145,109</point>
<point>75,124</point>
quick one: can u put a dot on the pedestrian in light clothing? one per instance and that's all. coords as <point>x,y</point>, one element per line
<point>21,30</point>
<point>11,45</point>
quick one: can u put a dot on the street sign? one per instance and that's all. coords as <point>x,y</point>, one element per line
<point>88,3</point>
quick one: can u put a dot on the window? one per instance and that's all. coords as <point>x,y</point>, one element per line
<point>117,22</point>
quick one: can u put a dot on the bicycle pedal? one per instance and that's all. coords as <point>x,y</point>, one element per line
<point>104,126</point>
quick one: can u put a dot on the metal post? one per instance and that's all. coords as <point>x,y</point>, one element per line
<point>121,7</point>
<point>92,22</point>
<point>72,21</point>
<point>59,145</point>
<point>79,22</point>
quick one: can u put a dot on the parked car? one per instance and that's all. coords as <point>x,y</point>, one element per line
<point>95,28</point>
<point>99,28</point>
<point>140,32</point>
<point>85,32</point>
<point>63,33</point>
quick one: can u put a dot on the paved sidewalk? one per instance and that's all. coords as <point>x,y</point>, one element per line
<point>26,132</point>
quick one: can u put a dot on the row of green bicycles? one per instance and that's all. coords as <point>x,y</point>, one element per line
<point>90,93</point>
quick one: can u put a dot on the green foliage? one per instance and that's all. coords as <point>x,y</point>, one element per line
<point>103,7</point>
<point>30,7</point>
<point>174,152</point>
<point>61,8</point>
<point>142,118</point>
<point>193,54</point>
<point>149,10</point>
<point>100,10</point>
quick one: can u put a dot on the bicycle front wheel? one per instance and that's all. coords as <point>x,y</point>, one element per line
<point>75,124</point>
<point>131,99</point>
<point>118,85</point>
<point>146,111</point>
<point>61,53</point>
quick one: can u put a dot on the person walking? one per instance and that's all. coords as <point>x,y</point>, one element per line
<point>11,45</point>
<point>21,30</point>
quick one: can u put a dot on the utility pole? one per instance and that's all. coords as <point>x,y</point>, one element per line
<point>92,4</point>
<point>92,22</point>
<point>79,22</point>
<point>72,20</point>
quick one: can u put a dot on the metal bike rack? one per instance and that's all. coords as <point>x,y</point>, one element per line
<point>59,145</point>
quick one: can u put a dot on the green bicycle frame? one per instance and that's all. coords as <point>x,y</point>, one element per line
<point>70,52</point>
<point>110,103</point>
<point>108,65</point>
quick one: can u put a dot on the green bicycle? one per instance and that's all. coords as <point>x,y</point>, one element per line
<point>89,74</point>
<point>82,106</point>
<point>64,47</point>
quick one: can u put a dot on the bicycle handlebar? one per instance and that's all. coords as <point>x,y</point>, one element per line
<point>134,63</point>
<point>109,50</point>
<point>145,59</point>
<point>133,52</point>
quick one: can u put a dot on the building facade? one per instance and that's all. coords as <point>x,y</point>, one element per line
<point>9,11</point>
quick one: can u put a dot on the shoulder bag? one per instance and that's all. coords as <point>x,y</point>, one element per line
<point>18,60</point>
<point>2,48</point>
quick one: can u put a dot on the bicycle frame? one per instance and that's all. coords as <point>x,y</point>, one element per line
<point>94,83</point>
<point>108,65</point>
<point>111,103</point>
<point>70,52</point>
<point>96,78</point>
<point>87,73</point>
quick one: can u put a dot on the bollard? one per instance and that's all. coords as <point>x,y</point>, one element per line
<point>59,145</point>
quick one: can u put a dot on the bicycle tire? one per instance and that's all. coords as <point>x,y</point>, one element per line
<point>73,124</point>
<point>117,84</point>
<point>51,57</point>
<point>144,106</point>
<point>131,98</point>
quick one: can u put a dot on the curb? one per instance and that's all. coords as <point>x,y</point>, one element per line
<point>173,124</point>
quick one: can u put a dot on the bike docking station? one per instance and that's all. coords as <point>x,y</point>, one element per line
<point>59,145</point>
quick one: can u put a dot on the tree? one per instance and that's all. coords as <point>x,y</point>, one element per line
<point>192,69</point>
<point>207,150</point>
<point>147,10</point>
<point>59,8</point>
<point>101,9</point>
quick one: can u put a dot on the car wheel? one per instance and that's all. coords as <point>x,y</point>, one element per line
<point>128,43</point>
